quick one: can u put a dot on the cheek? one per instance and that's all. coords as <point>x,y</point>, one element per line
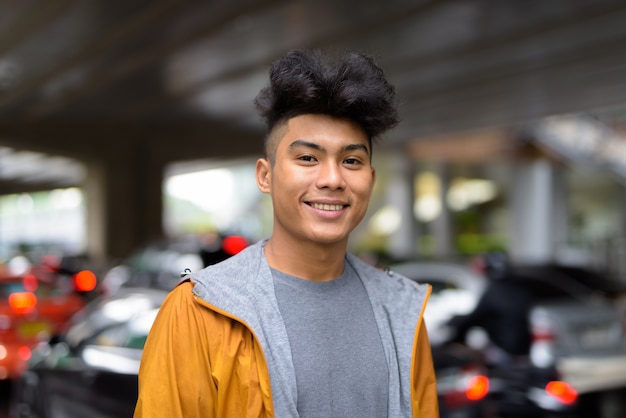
<point>364,188</point>
<point>293,179</point>
<point>286,185</point>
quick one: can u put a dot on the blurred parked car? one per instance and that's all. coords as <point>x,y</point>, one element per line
<point>462,381</point>
<point>36,303</point>
<point>90,371</point>
<point>575,326</point>
<point>456,289</point>
<point>159,265</point>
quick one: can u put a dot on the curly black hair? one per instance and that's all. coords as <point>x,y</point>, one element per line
<point>353,87</point>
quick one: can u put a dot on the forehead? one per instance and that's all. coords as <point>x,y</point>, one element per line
<point>321,129</point>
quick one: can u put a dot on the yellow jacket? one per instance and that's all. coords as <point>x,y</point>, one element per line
<point>215,359</point>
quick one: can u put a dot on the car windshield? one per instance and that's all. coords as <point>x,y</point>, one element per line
<point>42,290</point>
<point>592,279</point>
<point>108,313</point>
<point>558,282</point>
<point>553,286</point>
<point>11,287</point>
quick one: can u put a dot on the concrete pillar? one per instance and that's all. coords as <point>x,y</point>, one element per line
<point>442,228</point>
<point>618,265</point>
<point>124,205</point>
<point>560,209</point>
<point>401,194</point>
<point>538,211</point>
<point>94,191</point>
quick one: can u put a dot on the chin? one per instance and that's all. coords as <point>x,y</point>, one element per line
<point>329,240</point>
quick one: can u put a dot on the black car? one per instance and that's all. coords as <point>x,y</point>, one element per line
<point>91,371</point>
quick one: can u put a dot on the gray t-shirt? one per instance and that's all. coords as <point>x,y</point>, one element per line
<point>339,361</point>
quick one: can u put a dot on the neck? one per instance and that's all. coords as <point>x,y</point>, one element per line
<point>310,261</point>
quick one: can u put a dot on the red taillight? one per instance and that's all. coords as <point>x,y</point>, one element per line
<point>30,282</point>
<point>24,353</point>
<point>562,391</point>
<point>85,281</point>
<point>543,335</point>
<point>462,387</point>
<point>477,388</point>
<point>22,301</point>
<point>233,244</point>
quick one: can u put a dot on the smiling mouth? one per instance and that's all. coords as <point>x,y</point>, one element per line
<point>324,206</point>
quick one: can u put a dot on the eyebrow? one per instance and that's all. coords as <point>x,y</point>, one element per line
<point>350,147</point>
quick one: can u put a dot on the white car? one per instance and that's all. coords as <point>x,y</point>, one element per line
<point>456,289</point>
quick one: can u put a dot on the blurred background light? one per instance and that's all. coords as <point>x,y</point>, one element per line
<point>464,193</point>
<point>385,221</point>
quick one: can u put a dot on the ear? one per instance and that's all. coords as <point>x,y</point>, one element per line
<point>264,175</point>
<point>373,176</point>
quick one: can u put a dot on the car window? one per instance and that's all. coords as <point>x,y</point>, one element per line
<point>139,327</point>
<point>445,276</point>
<point>43,289</point>
<point>439,285</point>
<point>50,290</point>
<point>550,282</point>
<point>11,287</point>
<point>591,279</point>
<point>126,308</point>
<point>130,334</point>
<point>541,290</point>
<point>114,336</point>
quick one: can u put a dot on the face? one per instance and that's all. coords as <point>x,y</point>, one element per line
<point>320,181</point>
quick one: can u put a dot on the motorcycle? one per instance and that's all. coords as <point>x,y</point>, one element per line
<point>462,382</point>
<point>515,388</point>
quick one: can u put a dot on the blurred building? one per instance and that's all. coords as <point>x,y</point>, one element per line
<point>512,113</point>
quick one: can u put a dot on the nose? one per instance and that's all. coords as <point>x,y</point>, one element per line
<point>330,176</point>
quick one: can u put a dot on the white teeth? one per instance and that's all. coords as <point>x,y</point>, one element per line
<point>326,207</point>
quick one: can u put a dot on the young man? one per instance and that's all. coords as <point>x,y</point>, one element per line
<point>294,326</point>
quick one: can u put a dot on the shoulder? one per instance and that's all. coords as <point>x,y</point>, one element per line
<point>180,302</point>
<point>238,284</point>
<point>239,265</point>
<point>185,311</point>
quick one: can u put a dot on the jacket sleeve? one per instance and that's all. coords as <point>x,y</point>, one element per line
<point>424,387</point>
<point>175,374</point>
<point>198,362</point>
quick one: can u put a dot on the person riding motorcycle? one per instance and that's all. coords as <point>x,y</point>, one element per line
<point>501,311</point>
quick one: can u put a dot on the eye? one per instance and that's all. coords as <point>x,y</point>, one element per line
<point>307,158</point>
<point>352,161</point>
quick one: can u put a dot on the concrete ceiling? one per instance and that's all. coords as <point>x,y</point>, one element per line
<point>90,79</point>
